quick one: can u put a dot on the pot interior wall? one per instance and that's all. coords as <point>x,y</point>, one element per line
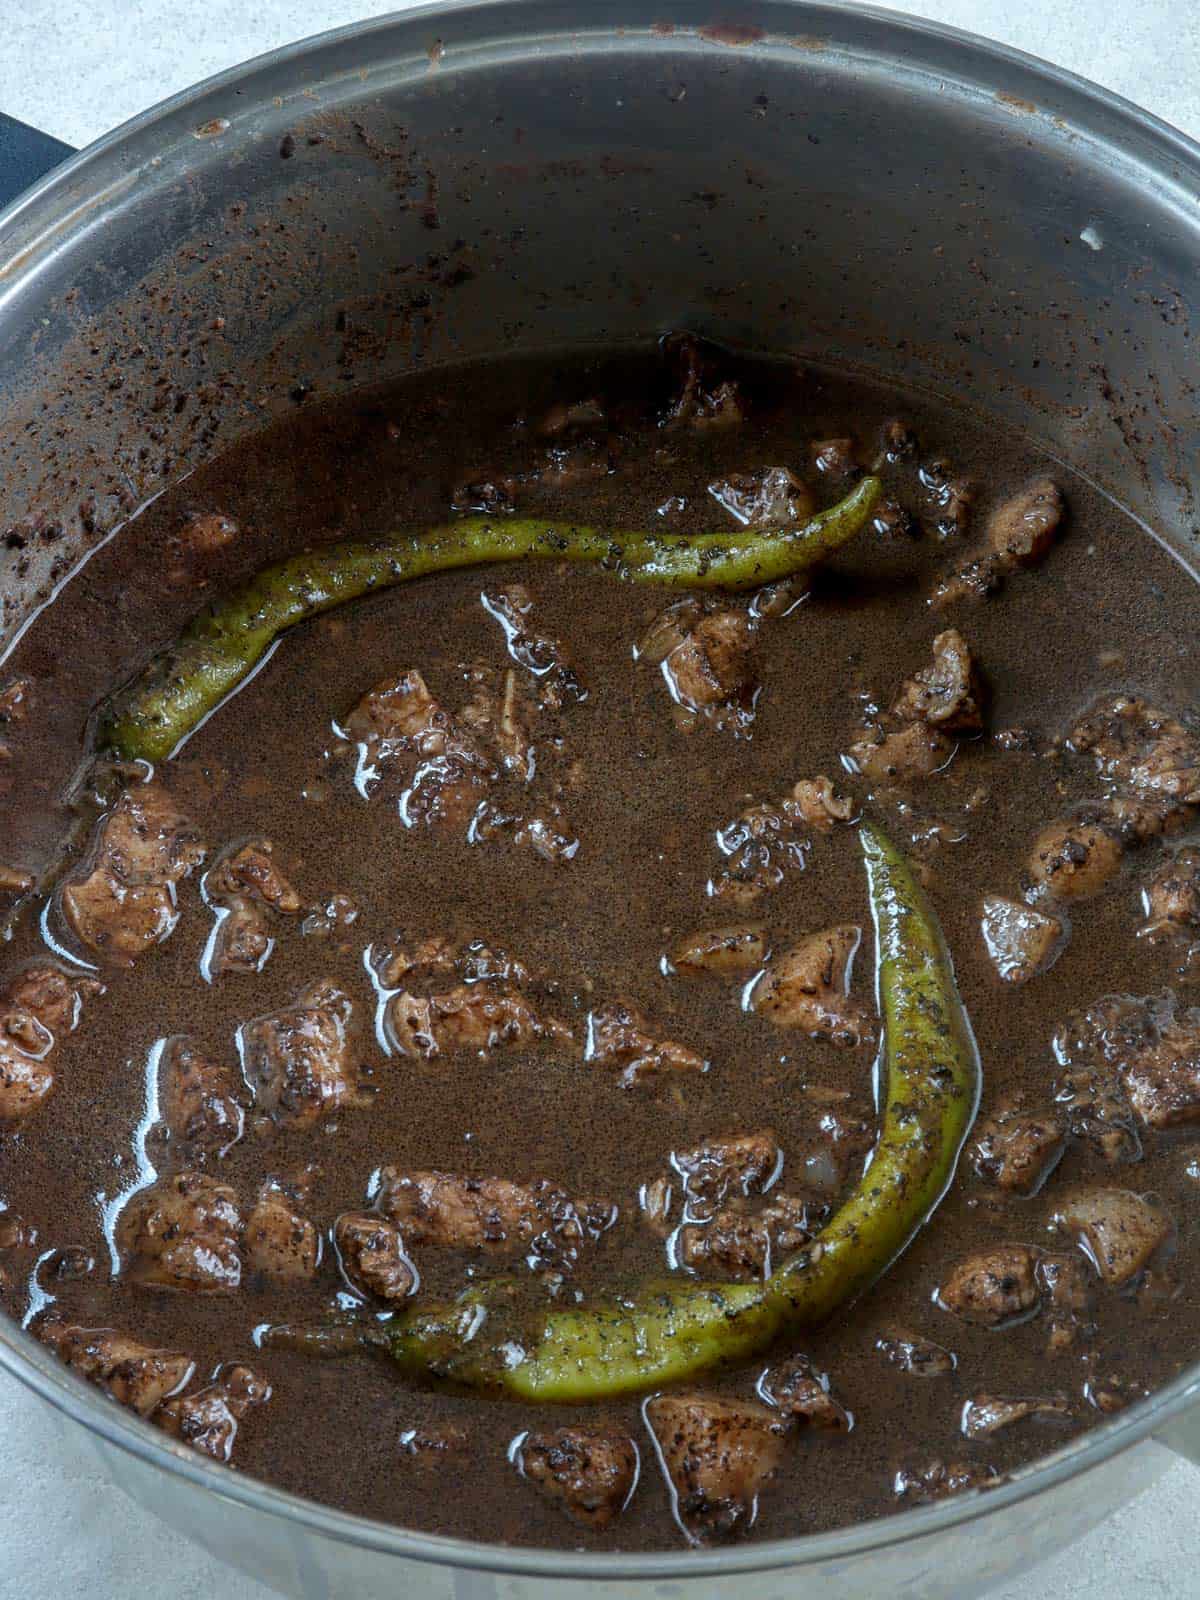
<point>407,197</point>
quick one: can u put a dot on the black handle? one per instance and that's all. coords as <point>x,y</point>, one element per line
<point>25,155</point>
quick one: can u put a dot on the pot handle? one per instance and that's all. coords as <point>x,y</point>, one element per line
<point>25,156</point>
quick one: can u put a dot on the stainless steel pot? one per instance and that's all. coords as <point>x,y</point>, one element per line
<point>469,178</point>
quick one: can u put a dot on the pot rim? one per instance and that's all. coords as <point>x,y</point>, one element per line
<point>44,213</point>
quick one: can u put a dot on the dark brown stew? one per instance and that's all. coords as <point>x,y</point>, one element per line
<point>512,924</point>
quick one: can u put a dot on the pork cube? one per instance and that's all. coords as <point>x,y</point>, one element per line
<point>718,1455</point>
<point>590,1473</point>
<point>199,1098</point>
<point>300,1061</point>
<point>1120,1232</point>
<point>620,1036</point>
<point>808,987</point>
<point>134,1374</point>
<point>280,1241</point>
<point>185,1233</point>
<point>371,1251</point>
<point>209,1419</point>
<point>1020,940</point>
<point>993,1287</point>
<point>946,695</point>
<point>1017,1150</point>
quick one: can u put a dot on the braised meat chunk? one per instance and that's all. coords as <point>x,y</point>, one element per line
<point>119,921</point>
<point>470,1018</point>
<point>1074,859</point>
<point>706,657</point>
<point>704,398</point>
<point>736,1242</point>
<point>976,579</point>
<point>904,756</point>
<point>1018,1149</point>
<point>1022,529</point>
<point>770,839</point>
<point>914,739</point>
<point>620,1036</point>
<point>1141,748</point>
<point>771,497</point>
<point>1162,1079</point>
<point>941,1479</point>
<point>486,1009</point>
<point>38,1008</point>
<point>590,1474</point>
<point>134,1374</point>
<point>709,1207</point>
<point>1130,1061</point>
<point>739,1164</point>
<point>1021,940</point>
<point>1122,1233</point>
<point>494,1215</point>
<point>1097,1110</point>
<point>985,1414</point>
<point>1137,818</point>
<point>370,1248</point>
<point>426,960</point>
<point>808,987</point>
<point>760,846</point>
<point>1172,897</point>
<point>183,1233</point>
<point>951,497</point>
<point>803,1394</point>
<point>405,735</point>
<point>241,941</point>
<point>249,891</point>
<point>1019,534</point>
<point>199,1099</point>
<point>946,695</point>
<point>503,718</point>
<point>541,654</point>
<point>51,996</point>
<point>718,1455</point>
<point>146,838</point>
<point>712,664</point>
<point>915,1354</point>
<point>400,715</point>
<point>993,1287</point>
<point>123,903</point>
<point>280,1242</point>
<point>209,1419</point>
<point>300,1061</point>
<point>251,870</point>
<point>720,952</point>
<point>816,803</point>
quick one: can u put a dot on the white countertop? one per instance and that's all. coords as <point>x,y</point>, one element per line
<point>75,68</point>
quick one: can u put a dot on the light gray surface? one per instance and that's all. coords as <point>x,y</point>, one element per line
<point>77,67</point>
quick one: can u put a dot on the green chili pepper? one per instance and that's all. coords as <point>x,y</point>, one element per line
<point>664,1331</point>
<point>225,642</point>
